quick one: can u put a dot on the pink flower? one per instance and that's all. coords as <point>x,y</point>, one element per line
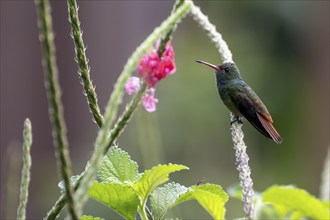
<point>149,101</point>
<point>132,85</point>
<point>152,68</point>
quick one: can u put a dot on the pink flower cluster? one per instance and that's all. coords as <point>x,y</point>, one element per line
<point>152,69</point>
<point>149,101</point>
<point>132,85</point>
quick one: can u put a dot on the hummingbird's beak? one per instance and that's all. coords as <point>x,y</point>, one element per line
<point>209,64</point>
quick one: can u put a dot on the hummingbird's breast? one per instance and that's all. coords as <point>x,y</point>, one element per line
<point>226,92</point>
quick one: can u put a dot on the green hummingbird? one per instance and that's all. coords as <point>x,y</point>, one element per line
<point>241,100</point>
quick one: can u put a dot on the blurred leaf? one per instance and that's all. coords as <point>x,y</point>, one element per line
<point>297,200</point>
<point>121,198</point>
<point>164,198</point>
<point>154,177</point>
<point>326,204</point>
<point>117,167</point>
<point>211,197</point>
<point>88,217</point>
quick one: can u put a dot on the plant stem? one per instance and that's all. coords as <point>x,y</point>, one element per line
<point>54,98</point>
<point>211,31</point>
<point>242,162</point>
<point>24,189</point>
<point>84,69</point>
<point>142,212</point>
<point>104,141</point>
<point>115,132</point>
<point>325,179</point>
<point>242,157</point>
<point>166,38</point>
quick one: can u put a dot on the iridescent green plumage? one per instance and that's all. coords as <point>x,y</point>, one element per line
<point>241,100</point>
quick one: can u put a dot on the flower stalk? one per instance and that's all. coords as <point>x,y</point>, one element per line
<point>24,189</point>
<point>115,132</point>
<point>84,69</point>
<point>242,162</point>
<point>211,31</point>
<point>103,141</point>
<point>325,179</point>
<point>54,98</point>
<point>242,157</point>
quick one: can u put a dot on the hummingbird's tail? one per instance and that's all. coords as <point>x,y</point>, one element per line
<point>268,126</point>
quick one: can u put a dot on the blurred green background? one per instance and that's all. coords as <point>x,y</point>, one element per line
<point>281,48</point>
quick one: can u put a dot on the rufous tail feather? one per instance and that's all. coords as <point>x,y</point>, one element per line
<point>270,129</point>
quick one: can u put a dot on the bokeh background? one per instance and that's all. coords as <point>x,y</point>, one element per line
<point>281,48</point>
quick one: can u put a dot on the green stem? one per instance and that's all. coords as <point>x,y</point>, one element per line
<point>115,132</point>
<point>104,141</point>
<point>84,69</point>
<point>166,38</point>
<point>212,33</point>
<point>141,210</point>
<point>24,190</point>
<point>54,97</point>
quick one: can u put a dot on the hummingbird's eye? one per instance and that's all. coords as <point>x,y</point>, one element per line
<point>227,70</point>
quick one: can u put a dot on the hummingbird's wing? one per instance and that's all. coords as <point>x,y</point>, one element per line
<point>252,108</point>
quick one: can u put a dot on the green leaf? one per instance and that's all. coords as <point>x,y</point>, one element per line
<point>117,167</point>
<point>121,198</point>
<point>164,198</point>
<point>211,197</point>
<point>215,189</point>
<point>297,200</point>
<point>88,217</point>
<point>154,177</point>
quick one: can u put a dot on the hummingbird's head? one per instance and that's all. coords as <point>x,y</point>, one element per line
<point>226,71</point>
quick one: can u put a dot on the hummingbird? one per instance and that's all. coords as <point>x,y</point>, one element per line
<point>241,100</point>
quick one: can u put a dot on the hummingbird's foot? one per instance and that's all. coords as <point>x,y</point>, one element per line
<point>236,119</point>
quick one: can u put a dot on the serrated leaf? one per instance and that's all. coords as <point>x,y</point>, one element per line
<point>119,197</point>
<point>164,198</point>
<point>211,197</point>
<point>216,189</point>
<point>117,167</point>
<point>88,217</point>
<point>297,200</point>
<point>154,177</point>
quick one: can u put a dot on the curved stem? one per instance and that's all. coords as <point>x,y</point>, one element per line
<point>24,190</point>
<point>54,98</point>
<point>84,69</point>
<point>211,31</point>
<point>325,179</point>
<point>104,141</point>
<point>242,162</point>
<point>242,157</point>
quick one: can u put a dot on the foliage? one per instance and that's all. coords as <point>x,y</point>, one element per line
<point>287,202</point>
<point>294,202</point>
<point>120,185</point>
<point>129,192</point>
